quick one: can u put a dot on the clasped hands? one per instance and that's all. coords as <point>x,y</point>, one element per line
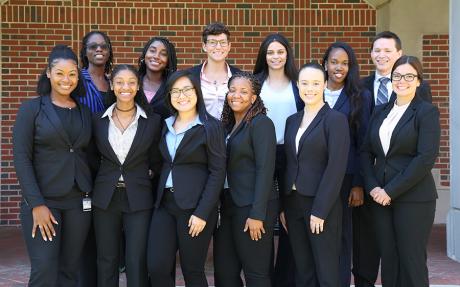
<point>380,196</point>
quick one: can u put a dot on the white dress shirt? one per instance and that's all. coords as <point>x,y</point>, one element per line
<point>214,92</point>
<point>331,97</point>
<point>389,124</point>
<point>377,85</point>
<point>121,141</point>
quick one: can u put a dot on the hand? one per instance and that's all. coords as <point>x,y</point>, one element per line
<point>283,221</point>
<point>196,225</point>
<point>316,224</point>
<point>43,219</point>
<point>256,228</point>
<point>380,196</point>
<point>356,197</point>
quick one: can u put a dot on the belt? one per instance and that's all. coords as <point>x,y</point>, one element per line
<point>120,184</point>
<point>169,189</point>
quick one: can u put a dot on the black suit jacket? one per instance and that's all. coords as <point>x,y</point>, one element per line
<point>47,163</point>
<point>198,168</point>
<point>142,156</point>
<point>405,172</point>
<point>318,168</point>
<point>423,91</point>
<point>251,153</point>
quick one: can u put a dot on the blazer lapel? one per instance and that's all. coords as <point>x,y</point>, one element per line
<point>313,124</point>
<point>293,130</point>
<point>408,114</point>
<point>187,137</point>
<point>141,124</point>
<point>163,145</point>
<point>85,121</point>
<point>104,131</point>
<point>341,100</point>
<point>52,116</point>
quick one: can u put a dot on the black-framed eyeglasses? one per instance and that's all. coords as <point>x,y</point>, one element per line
<point>213,43</point>
<point>407,77</point>
<point>187,91</point>
<point>94,46</point>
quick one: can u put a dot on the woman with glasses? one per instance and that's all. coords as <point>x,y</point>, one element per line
<point>156,63</point>
<point>398,153</point>
<point>193,152</point>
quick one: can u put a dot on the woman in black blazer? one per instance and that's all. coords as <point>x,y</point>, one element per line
<point>50,139</point>
<point>127,142</point>
<point>398,154</point>
<point>249,206</point>
<point>193,151</point>
<point>344,94</point>
<point>317,143</point>
<point>156,63</point>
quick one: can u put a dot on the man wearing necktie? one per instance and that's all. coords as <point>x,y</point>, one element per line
<point>386,48</point>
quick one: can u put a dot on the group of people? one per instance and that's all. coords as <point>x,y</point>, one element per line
<point>153,161</point>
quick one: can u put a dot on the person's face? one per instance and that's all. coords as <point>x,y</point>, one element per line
<point>97,50</point>
<point>63,76</point>
<point>311,86</point>
<point>337,66</point>
<point>125,86</point>
<point>405,80</point>
<point>240,95</point>
<point>217,47</point>
<point>276,56</point>
<point>183,95</point>
<point>156,58</point>
<point>384,54</point>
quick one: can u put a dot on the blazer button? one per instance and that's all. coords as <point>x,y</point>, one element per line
<point>71,149</point>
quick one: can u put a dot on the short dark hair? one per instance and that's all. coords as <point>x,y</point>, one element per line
<point>84,46</point>
<point>290,69</point>
<point>314,65</point>
<point>172,58</point>
<point>139,98</point>
<point>60,52</point>
<point>200,106</point>
<point>387,35</point>
<point>411,60</point>
<point>215,28</point>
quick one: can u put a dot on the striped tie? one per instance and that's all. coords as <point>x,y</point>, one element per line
<point>382,93</point>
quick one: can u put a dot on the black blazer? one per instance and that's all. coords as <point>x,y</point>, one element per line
<point>251,153</point>
<point>198,168</point>
<point>196,70</point>
<point>47,163</point>
<point>343,105</point>
<point>405,172</point>
<point>424,90</point>
<point>318,168</point>
<point>142,156</point>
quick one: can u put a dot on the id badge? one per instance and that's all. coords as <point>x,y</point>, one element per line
<point>87,204</point>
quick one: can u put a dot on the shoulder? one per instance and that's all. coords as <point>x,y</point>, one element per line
<point>365,81</point>
<point>196,69</point>
<point>261,121</point>
<point>426,109</point>
<point>234,69</point>
<point>293,116</point>
<point>333,117</point>
<point>30,106</point>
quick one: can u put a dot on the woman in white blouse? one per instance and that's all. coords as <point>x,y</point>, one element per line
<point>398,154</point>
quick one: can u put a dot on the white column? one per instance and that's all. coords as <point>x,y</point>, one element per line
<point>453,218</point>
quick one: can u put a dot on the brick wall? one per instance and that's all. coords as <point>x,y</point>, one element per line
<point>31,27</point>
<point>436,68</point>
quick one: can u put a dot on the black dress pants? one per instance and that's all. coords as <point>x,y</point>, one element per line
<point>366,255</point>
<point>57,262</point>
<point>403,230</point>
<point>108,226</point>
<point>316,255</point>
<point>347,233</point>
<point>169,233</point>
<point>234,250</point>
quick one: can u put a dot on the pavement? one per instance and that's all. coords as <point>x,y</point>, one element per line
<point>15,268</point>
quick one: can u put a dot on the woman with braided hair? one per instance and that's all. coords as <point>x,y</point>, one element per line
<point>249,205</point>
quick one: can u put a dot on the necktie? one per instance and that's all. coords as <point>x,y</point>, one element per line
<point>382,93</point>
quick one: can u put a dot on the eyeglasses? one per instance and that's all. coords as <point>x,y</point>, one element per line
<point>187,91</point>
<point>407,77</point>
<point>94,46</point>
<point>213,43</point>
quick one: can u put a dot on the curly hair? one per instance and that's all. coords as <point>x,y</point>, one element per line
<point>84,44</point>
<point>258,107</point>
<point>172,59</point>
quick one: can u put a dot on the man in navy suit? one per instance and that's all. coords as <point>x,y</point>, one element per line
<point>386,49</point>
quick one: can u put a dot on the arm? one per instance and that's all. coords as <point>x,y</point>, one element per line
<point>264,145</point>
<point>338,144</point>
<point>23,148</point>
<point>429,134</point>
<point>367,157</point>
<point>154,152</point>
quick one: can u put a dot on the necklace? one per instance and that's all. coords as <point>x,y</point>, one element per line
<point>123,128</point>
<point>128,110</point>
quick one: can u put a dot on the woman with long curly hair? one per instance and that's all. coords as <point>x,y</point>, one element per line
<point>249,207</point>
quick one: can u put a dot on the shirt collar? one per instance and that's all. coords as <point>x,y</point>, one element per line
<point>378,76</point>
<point>203,76</point>
<point>335,93</point>
<point>170,122</point>
<point>139,112</point>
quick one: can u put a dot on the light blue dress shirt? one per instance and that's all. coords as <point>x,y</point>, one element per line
<point>173,140</point>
